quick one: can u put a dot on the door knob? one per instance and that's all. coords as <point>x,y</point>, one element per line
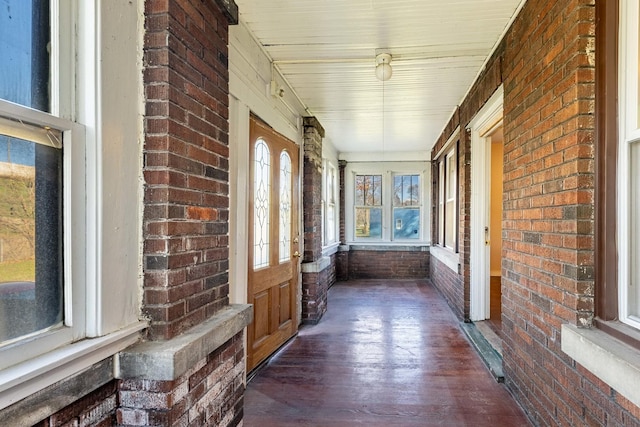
<point>296,254</point>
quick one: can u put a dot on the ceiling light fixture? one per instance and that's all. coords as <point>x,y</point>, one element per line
<point>383,66</point>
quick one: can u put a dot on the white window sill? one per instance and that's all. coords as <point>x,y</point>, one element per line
<point>447,257</point>
<point>29,377</point>
<point>330,249</point>
<point>614,362</point>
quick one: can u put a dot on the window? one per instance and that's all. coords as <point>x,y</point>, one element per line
<point>329,202</point>
<point>67,187</point>
<point>385,202</point>
<point>368,206</point>
<point>628,167</point>
<point>447,224</point>
<point>406,207</point>
<point>37,150</point>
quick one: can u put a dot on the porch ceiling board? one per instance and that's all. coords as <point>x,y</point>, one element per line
<point>326,51</point>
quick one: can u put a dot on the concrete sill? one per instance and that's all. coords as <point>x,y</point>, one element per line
<point>611,360</point>
<point>168,360</point>
<point>447,257</point>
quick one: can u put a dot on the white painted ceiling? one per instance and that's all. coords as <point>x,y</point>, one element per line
<point>326,50</point>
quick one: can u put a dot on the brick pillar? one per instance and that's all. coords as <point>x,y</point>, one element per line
<point>314,280</point>
<point>178,378</point>
<point>342,257</point>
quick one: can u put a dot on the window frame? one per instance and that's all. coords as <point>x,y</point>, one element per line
<point>442,161</point>
<point>329,201</point>
<point>73,236</point>
<point>611,191</point>
<point>388,170</point>
<point>78,109</point>
<point>32,122</point>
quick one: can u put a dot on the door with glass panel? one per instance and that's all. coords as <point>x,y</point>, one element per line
<point>273,236</point>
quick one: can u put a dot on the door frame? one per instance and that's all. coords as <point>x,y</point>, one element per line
<point>486,121</point>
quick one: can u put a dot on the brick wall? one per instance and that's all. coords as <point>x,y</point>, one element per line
<point>314,292</point>
<point>210,393</point>
<point>312,189</point>
<point>186,164</point>
<point>548,212</point>
<point>450,285</point>
<point>546,66</point>
<point>97,409</point>
<point>316,274</point>
<point>392,264</point>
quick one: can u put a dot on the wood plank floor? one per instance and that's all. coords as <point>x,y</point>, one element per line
<point>386,353</point>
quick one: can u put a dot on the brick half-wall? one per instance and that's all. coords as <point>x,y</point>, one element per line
<point>450,286</point>
<point>386,263</point>
<point>317,278</point>
<point>209,393</point>
<point>97,409</point>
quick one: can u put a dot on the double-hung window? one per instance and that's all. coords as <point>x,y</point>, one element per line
<point>447,200</point>
<point>628,166</point>
<point>329,203</point>
<point>368,206</point>
<point>41,172</point>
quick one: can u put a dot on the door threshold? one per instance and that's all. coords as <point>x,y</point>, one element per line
<point>489,355</point>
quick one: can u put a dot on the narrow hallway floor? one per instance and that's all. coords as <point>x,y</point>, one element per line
<point>386,353</point>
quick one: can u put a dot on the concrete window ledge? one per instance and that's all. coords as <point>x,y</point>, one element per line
<point>168,360</point>
<point>611,360</point>
<point>447,257</point>
<point>316,266</point>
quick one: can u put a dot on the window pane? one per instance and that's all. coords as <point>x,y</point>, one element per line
<point>633,300</point>
<point>441,219</point>
<point>285,207</point>
<point>368,190</point>
<point>450,224</point>
<point>261,205</point>
<point>406,190</point>
<point>31,283</point>
<point>24,57</point>
<point>331,223</point>
<point>369,222</point>
<point>406,223</point>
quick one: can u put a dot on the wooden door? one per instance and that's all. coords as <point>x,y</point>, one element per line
<point>273,236</point>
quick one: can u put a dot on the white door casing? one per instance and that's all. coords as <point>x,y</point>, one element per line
<point>488,119</point>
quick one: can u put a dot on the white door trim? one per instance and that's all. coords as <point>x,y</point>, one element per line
<point>483,124</point>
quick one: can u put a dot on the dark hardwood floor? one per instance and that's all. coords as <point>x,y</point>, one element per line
<point>495,305</point>
<point>387,353</point>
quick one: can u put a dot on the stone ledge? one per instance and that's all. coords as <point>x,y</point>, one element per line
<point>316,266</point>
<point>168,360</point>
<point>447,257</point>
<point>611,360</point>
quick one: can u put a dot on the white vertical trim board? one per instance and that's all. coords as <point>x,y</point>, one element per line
<point>482,125</point>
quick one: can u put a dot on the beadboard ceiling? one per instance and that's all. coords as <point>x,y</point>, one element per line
<point>325,49</point>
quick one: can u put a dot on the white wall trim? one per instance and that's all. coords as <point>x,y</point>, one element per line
<point>20,381</point>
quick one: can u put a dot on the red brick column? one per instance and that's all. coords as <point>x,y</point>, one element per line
<point>315,272</point>
<point>186,164</point>
<point>177,378</point>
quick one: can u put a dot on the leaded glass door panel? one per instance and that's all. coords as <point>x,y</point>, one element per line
<point>273,241</point>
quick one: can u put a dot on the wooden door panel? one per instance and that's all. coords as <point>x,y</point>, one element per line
<point>261,315</point>
<point>273,270</point>
<point>265,278</point>
<point>285,308</point>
